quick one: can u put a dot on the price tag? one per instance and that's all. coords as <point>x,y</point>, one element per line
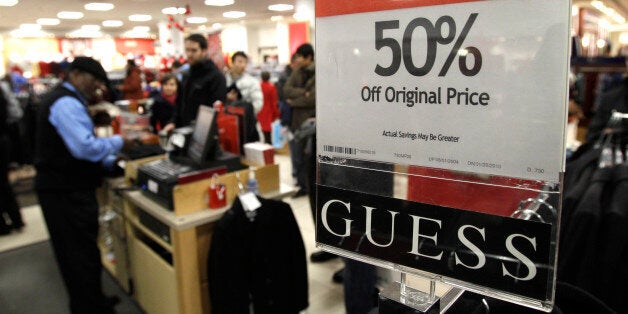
<point>249,201</point>
<point>474,86</point>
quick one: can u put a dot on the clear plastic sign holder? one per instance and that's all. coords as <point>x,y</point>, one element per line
<point>504,229</point>
<point>441,143</point>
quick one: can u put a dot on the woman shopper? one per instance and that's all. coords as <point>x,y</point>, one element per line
<point>164,102</point>
<point>132,85</point>
<point>269,111</point>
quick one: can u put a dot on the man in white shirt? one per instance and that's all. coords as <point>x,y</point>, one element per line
<point>248,86</point>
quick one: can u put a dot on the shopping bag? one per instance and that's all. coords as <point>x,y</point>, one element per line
<point>278,134</point>
<point>217,193</point>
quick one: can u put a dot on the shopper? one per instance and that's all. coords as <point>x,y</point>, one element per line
<point>234,99</point>
<point>179,69</point>
<point>164,102</point>
<point>285,112</point>
<point>204,84</point>
<point>247,84</point>
<point>8,203</point>
<point>70,162</point>
<point>132,85</point>
<point>301,97</point>
<point>269,111</point>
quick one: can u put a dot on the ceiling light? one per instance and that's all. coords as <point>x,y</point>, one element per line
<point>48,21</point>
<point>141,29</point>
<point>281,7</point>
<point>618,18</point>
<point>112,23</point>
<point>8,3</point>
<point>196,20</point>
<point>219,3</point>
<point>70,15</point>
<point>135,34</point>
<point>98,6</point>
<point>173,10</point>
<point>234,14</point>
<point>30,27</point>
<point>20,33</point>
<point>140,17</point>
<point>276,18</point>
<point>90,28</point>
<point>300,16</point>
<point>81,33</point>
<point>216,26</point>
<point>170,10</point>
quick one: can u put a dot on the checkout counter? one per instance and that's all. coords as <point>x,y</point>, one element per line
<point>158,255</point>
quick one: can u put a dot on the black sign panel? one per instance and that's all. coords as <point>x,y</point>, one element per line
<point>502,253</point>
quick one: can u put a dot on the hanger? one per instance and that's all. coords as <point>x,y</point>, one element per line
<point>531,208</point>
<point>611,140</point>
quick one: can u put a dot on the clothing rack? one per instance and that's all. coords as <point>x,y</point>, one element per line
<point>612,152</point>
<point>593,241</point>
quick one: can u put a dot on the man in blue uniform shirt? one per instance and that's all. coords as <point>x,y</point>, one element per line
<point>70,161</point>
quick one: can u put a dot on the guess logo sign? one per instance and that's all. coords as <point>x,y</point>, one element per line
<point>498,252</point>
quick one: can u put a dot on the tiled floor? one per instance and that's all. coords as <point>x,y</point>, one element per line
<point>324,295</point>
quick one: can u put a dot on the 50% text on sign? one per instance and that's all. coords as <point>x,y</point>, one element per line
<point>435,37</point>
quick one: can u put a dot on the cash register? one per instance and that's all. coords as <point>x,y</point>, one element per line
<point>203,157</point>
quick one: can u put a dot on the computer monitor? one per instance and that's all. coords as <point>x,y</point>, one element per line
<point>203,142</point>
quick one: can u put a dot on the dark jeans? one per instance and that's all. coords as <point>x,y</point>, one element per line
<point>298,162</point>
<point>72,221</point>
<point>8,203</point>
<point>359,286</point>
<point>267,138</point>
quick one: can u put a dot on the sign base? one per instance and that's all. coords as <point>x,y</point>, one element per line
<point>392,301</point>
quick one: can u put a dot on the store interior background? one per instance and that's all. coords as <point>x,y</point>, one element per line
<point>155,40</point>
<point>268,37</point>
<point>31,33</point>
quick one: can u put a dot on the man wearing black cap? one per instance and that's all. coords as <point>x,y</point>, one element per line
<point>70,162</point>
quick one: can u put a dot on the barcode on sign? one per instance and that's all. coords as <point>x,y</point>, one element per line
<point>339,149</point>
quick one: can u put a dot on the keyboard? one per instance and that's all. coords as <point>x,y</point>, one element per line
<point>164,168</point>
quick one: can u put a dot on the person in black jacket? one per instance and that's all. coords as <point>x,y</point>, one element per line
<point>8,203</point>
<point>203,85</point>
<point>164,102</point>
<point>234,98</point>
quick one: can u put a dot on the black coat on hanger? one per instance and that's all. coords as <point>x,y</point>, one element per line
<point>260,261</point>
<point>615,99</point>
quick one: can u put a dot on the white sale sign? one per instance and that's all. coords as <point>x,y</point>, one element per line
<point>476,86</point>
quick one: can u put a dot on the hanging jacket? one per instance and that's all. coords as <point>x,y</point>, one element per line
<point>260,261</point>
